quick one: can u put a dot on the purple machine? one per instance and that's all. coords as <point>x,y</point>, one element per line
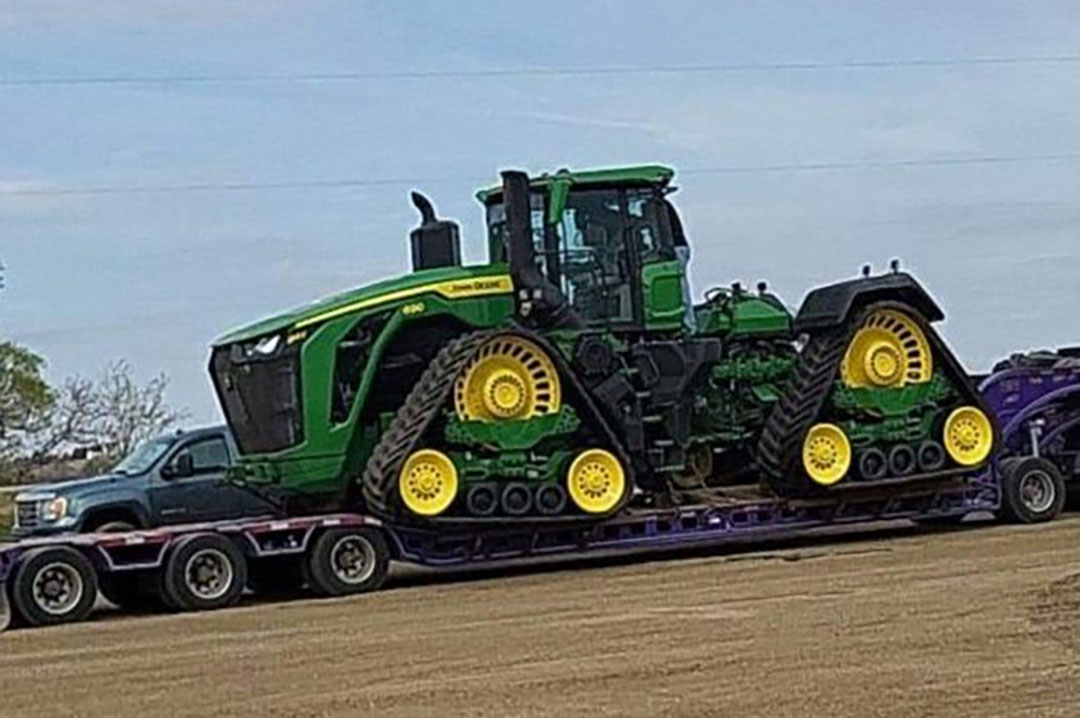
<point>1036,399</point>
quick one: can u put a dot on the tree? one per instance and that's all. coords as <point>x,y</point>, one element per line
<point>74,419</point>
<point>129,413</point>
<point>26,400</point>
<point>40,425</point>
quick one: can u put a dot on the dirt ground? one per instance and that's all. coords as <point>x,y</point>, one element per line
<point>963,622</point>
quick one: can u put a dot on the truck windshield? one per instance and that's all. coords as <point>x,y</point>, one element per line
<point>143,456</point>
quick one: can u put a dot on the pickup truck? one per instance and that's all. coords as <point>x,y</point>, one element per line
<point>178,478</point>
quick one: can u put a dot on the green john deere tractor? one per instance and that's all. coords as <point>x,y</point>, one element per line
<point>571,376</point>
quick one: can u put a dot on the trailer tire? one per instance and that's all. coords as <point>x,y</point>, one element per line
<point>204,572</point>
<point>345,561</point>
<point>54,585</point>
<point>1032,490</point>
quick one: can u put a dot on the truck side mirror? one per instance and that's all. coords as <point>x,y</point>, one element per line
<point>180,467</point>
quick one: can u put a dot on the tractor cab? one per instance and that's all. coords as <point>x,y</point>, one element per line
<point>607,243</point>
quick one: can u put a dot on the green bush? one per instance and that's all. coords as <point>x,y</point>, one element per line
<point>6,516</point>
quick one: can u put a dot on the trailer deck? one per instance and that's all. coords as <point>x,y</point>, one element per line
<point>714,517</point>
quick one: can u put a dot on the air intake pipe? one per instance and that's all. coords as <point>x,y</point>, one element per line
<point>539,302</point>
<point>436,242</point>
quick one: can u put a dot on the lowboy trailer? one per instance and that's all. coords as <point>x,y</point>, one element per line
<point>56,580</point>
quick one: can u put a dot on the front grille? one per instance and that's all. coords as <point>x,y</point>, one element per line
<point>26,514</point>
<point>260,396</point>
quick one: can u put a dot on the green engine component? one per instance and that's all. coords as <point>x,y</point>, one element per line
<point>893,403</point>
<point>738,313</point>
<point>511,465</point>
<point>615,380</point>
<point>512,436</point>
<point>754,369</point>
<point>910,429</point>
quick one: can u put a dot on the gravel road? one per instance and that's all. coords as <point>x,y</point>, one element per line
<point>963,622</point>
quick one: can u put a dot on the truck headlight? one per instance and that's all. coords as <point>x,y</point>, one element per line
<point>54,509</point>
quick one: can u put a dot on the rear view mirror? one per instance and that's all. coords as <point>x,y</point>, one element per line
<point>180,467</point>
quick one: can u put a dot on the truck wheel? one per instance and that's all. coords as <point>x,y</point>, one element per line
<point>348,560</point>
<point>204,572</point>
<point>1032,490</point>
<point>54,585</point>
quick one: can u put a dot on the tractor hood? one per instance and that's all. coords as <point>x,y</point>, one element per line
<point>449,282</point>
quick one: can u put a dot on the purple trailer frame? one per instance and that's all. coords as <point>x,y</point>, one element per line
<point>738,514</point>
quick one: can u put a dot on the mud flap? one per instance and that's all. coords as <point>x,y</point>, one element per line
<point>5,609</point>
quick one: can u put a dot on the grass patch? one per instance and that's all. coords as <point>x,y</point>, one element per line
<point>7,517</point>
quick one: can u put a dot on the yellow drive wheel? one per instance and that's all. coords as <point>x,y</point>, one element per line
<point>826,454</point>
<point>968,436</point>
<point>428,482</point>
<point>509,378</point>
<point>889,350</point>
<point>596,481</point>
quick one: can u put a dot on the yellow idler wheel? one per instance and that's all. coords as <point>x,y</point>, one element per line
<point>428,482</point>
<point>826,454</point>
<point>889,350</point>
<point>596,481</point>
<point>968,436</point>
<point>510,378</point>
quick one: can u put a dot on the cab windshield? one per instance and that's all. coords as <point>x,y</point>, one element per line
<point>143,456</point>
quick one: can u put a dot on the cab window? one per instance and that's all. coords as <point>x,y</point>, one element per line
<point>596,266</point>
<point>208,455</point>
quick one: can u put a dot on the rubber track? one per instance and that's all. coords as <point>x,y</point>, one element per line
<point>432,391</point>
<point>780,446</point>
<point>422,405</point>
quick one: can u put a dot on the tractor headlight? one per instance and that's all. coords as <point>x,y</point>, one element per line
<point>267,346</point>
<point>54,509</point>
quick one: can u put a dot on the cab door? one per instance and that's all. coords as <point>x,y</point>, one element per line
<point>660,252</point>
<point>618,266</point>
<point>191,485</point>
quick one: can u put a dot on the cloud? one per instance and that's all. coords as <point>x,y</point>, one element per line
<point>16,186</point>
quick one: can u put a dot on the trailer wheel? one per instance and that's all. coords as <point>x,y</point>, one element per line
<point>344,561</point>
<point>1032,490</point>
<point>54,585</point>
<point>203,572</point>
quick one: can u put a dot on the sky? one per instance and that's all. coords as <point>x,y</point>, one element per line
<point>153,277</point>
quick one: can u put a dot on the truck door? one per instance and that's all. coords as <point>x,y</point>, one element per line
<point>191,485</point>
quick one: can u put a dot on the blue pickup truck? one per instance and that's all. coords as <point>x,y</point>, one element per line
<point>174,479</point>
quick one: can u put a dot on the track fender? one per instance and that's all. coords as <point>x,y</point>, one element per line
<point>829,306</point>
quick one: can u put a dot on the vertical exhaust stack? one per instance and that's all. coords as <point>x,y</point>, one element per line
<point>538,300</point>
<point>436,242</point>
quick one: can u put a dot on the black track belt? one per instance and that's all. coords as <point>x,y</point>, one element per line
<point>430,394</point>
